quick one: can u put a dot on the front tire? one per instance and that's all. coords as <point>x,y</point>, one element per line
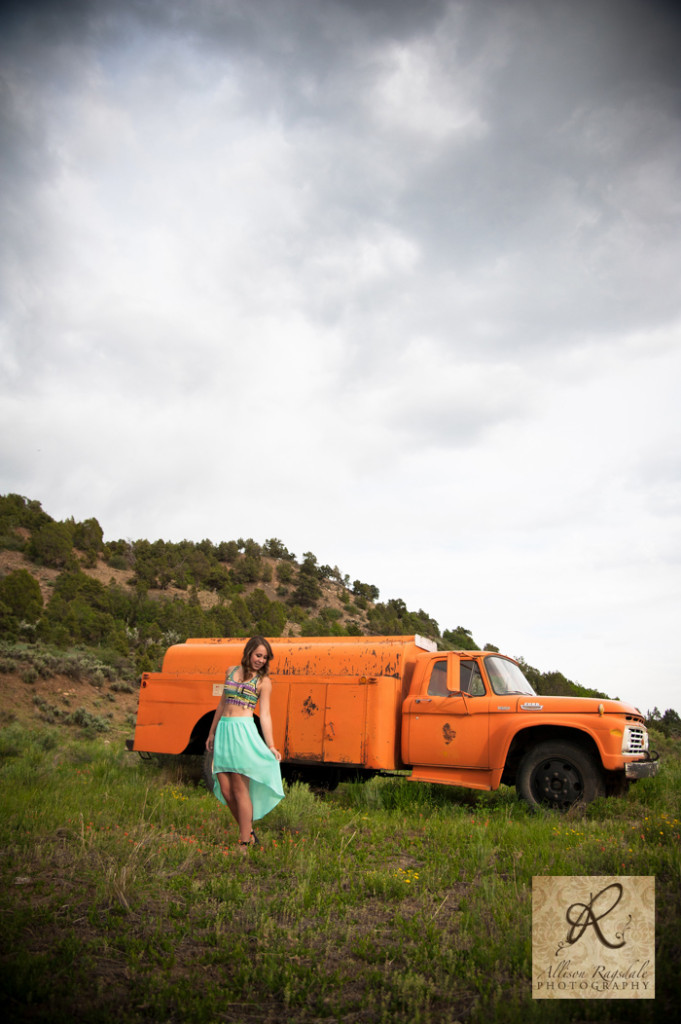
<point>560,775</point>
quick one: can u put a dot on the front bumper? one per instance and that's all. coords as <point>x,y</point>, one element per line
<point>641,769</point>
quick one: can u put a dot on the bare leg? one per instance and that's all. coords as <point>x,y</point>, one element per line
<point>242,796</point>
<point>234,789</point>
<point>225,783</point>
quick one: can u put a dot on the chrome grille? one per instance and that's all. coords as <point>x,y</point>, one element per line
<point>635,740</point>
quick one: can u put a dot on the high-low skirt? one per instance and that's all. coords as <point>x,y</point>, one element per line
<point>239,748</point>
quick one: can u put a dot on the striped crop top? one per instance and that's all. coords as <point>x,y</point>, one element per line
<point>242,695</point>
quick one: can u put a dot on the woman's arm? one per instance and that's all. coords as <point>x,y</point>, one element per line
<point>266,717</point>
<point>219,711</point>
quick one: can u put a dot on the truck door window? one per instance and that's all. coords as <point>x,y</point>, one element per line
<point>471,679</point>
<point>437,686</point>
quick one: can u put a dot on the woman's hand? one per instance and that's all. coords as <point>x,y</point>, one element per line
<point>275,752</point>
<point>210,741</point>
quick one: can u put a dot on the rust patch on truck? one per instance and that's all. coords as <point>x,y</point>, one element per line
<point>448,733</point>
<point>309,706</point>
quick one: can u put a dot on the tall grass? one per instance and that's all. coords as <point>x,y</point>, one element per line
<point>124,895</point>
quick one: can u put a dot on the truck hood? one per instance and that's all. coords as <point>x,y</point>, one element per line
<point>570,705</point>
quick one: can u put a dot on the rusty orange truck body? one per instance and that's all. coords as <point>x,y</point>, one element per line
<point>383,704</point>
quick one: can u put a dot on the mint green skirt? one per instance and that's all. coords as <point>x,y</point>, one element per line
<point>239,748</point>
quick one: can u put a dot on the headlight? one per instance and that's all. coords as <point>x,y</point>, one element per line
<point>635,739</point>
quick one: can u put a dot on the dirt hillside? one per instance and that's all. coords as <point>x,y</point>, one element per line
<point>36,703</point>
<point>57,700</point>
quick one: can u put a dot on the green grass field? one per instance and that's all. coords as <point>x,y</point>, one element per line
<point>124,896</point>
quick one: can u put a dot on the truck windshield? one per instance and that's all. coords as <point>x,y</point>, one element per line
<point>506,677</point>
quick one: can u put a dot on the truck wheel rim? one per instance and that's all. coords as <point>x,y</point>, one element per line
<point>557,782</point>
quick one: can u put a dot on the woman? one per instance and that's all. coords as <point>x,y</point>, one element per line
<point>246,772</point>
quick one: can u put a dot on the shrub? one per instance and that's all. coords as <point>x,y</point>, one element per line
<point>88,536</point>
<point>16,511</point>
<point>97,678</point>
<point>21,592</point>
<point>11,541</point>
<point>284,572</point>
<point>122,687</point>
<point>82,717</point>
<point>51,545</point>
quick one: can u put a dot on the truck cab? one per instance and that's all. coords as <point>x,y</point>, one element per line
<point>471,718</point>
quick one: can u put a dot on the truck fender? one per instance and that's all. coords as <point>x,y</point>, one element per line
<point>530,735</point>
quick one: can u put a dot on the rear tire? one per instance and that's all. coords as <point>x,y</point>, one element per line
<point>560,775</point>
<point>208,770</point>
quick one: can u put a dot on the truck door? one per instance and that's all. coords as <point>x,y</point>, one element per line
<point>446,724</point>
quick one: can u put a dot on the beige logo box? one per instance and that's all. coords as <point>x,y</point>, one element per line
<point>593,937</point>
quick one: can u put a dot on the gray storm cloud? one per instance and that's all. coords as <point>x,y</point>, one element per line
<point>416,263</point>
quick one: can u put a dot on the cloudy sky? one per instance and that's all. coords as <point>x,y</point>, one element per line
<point>395,281</point>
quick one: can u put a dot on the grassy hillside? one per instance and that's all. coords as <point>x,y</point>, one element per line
<point>62,587</point>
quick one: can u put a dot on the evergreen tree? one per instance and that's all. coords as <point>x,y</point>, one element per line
<point>307,591</point>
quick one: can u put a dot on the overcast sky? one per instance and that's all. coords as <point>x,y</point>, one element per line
<point>395,282</point>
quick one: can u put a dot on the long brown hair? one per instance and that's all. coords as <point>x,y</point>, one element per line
<point>252,645</point>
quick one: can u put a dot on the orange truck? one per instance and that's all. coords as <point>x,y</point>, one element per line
<point>348,706</point>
